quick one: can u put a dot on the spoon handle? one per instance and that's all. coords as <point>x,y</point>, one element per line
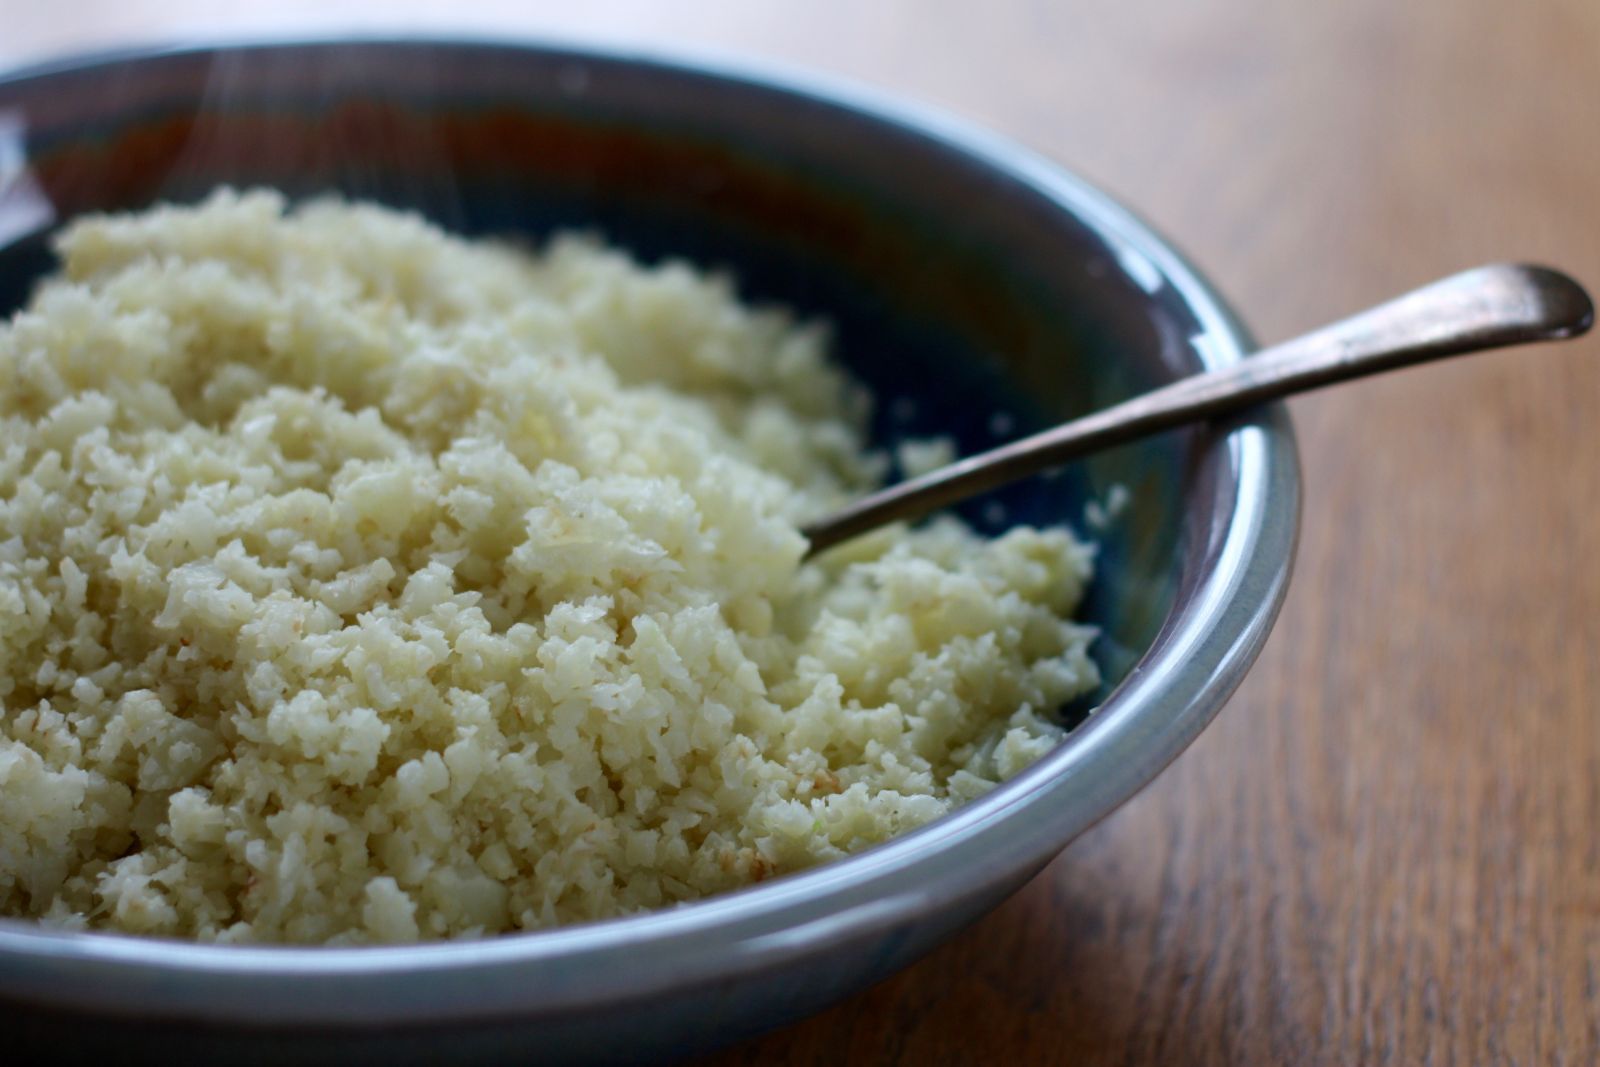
<point>1490,307</point>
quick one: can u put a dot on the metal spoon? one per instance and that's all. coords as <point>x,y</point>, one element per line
<point>1490,307</point>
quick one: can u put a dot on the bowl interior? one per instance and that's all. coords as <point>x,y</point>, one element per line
<point>969,303</point>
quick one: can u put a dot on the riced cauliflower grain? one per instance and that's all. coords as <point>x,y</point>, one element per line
<point>359,583</point>
<point>923,455</point>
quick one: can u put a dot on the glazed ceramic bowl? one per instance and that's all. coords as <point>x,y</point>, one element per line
<point>980,290</point>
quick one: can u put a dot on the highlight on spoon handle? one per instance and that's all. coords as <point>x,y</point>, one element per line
<point>1489,307</point>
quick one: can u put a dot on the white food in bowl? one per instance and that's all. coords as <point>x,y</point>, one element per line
<point>360,583</point>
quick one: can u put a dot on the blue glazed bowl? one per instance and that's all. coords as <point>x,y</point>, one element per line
<point>980,290</point>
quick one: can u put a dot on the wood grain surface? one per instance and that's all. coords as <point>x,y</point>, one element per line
<point>1385,849</point>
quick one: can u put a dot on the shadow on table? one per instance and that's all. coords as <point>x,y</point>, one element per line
<point>1059,973</point>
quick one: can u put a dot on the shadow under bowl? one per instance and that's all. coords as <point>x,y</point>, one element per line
<point>979,290</point>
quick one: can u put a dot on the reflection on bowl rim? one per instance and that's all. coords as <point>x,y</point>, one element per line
<point>1174,690</point>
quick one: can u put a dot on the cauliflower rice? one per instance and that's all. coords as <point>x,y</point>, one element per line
<point>359,583</point>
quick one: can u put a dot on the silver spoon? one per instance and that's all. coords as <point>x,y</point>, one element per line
<point>1490,307</point>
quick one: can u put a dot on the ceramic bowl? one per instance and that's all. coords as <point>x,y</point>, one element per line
<point>980,290</point>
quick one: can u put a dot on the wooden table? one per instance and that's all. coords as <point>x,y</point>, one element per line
<point>1385,849</point>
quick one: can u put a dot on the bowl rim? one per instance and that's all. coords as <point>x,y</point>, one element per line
<point>1203,650</point>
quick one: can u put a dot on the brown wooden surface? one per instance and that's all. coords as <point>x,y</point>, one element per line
<point>1385,849</point>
